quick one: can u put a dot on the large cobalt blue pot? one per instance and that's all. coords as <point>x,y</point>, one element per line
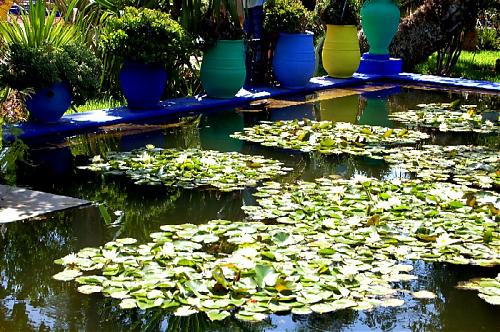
<point>294,59</point>
<point>142,85</point>
<point>49,104</point>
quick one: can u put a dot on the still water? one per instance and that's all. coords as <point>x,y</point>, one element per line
<point>30,300</point>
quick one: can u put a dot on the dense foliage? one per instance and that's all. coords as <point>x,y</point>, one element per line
<point>24,67</point>
<point>285,16</point>
<point>220,21</point>
<point>337,12</point>
<point>146,36</point>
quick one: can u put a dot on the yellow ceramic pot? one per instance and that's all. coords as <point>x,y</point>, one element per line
<point>341,54</point>
<point>341,109</point>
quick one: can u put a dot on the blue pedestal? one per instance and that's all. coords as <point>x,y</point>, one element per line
<point>380,64</point>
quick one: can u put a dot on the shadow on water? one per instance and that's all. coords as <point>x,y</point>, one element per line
<point>31,300</point>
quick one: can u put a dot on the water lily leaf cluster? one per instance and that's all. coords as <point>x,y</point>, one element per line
<point>190,168</point>
<point>450,117</point>
<point>248,269</point>
<point>464,164</point>
<point>488,288</point>
<point>329,137</point>
<point>407,219</point>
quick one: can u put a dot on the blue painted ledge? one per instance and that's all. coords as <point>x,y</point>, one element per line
<point>86,121</point>
<point>444,81</point>
<point>81,122</point>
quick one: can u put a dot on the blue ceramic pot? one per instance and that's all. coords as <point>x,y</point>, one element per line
<point>49,104</point>
<point>294,59</point>
<point>142,85</point>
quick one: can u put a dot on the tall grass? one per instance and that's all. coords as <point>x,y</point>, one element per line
<point>471,65</point>
<point>36,29</point>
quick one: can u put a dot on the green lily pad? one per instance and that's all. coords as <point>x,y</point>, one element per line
<point>328,137</point>
<point>449,117</point>
<point>67,275</point>
<point>215,315</point>
<point>89,289</point>
<point>191,168</point>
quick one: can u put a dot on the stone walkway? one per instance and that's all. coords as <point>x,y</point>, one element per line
<point>19,204</point>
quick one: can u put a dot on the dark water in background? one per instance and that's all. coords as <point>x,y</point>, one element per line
<point>30,300</point>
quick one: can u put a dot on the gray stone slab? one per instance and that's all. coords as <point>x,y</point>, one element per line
<point>19,204</point>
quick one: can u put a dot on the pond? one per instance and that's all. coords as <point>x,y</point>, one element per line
<point>30,299</point>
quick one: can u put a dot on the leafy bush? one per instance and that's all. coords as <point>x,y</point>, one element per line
<point>337,12</point>
<point>285,16</point>
<point>146,36</point>
<point>220,21</point>
<point>23,67</point>
<point>488,39</point>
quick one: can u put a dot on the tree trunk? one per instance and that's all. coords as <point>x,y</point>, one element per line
<point>431,27</point>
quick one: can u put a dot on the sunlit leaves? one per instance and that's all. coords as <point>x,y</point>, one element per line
<point>449,117</point>
<point>329,137</point>
<point>464,164</point>
<point>277,272</point>
<point>488,288</point>
<point>191,168</point>
<point>432,221</point>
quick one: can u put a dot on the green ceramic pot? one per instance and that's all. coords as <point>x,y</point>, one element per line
<point>380,21</point>
<point>223,69</point>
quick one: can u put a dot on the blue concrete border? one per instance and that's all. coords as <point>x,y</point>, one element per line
<point>444,81</point>
<point>87,121</point>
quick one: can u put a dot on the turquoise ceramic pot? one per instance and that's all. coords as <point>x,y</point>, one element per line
<point>380,21</point>
<point>223,69</point>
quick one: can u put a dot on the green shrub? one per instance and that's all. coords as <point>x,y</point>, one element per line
<point>220,21</point>
<point>337,12</point>
<point>146,36</point>
<point>285,16</point>
<point>488,39</point>
<point>23,67</point>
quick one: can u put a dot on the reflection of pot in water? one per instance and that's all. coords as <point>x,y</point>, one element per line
<point>299,112</point>
<point>376,110</point>
<point>131,142</point>
<point>216,128</point>
<point>53,162</point>
<point>341,109</point>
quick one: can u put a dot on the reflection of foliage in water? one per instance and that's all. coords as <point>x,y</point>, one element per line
<point>92,144</point>
<point>26,252</point>
<point>9,156</point>
<point>137,206</point>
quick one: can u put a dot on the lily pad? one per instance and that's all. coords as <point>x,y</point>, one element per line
<point>329,137</point>
<point>450,117</point>
<point>191,168</point>
<point>488,288</point>
<point>470,165</point>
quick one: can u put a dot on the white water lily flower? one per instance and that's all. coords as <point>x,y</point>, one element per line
<point>145,157</point>
<point>70,259</point>
<point>208,161</point>
<point>110,254</point>
<point>96,159</point>
<point>349,271</point>
<point>343,125</point>
<point>444,240</point>
<point>181,159</point>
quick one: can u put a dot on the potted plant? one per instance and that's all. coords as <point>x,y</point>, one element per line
<point>294,57</point>
<point>148,43</point>
<point>340,53</point>
<point>48,63</point>
<point>223,68</point>
<point>380,21</point>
